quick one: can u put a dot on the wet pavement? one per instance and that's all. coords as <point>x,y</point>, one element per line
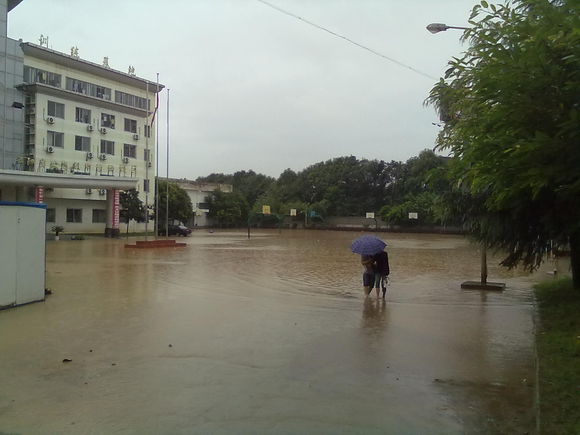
<point>269,335</point>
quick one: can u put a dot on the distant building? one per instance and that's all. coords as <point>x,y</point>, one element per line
<point>74,134</point>
<point>198,193</point>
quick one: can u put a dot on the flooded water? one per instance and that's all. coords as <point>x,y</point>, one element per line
<point>269,335</point>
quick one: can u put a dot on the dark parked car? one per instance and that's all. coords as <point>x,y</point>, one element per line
<point>176,230</point>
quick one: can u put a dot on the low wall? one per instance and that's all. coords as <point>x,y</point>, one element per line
<point>353,223</point>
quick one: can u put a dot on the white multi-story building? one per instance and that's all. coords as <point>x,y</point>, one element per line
<point>73,133</point>
<point>85,121</point>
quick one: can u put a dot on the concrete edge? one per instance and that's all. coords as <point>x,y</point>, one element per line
<point>536,323</point>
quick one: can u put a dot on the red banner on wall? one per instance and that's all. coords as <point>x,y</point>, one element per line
<point>39,194</point>
<point>116,209</point>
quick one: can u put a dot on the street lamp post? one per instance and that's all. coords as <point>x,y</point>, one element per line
<point>440,27</point>
<point>167,173</point>
<point>483,284</point>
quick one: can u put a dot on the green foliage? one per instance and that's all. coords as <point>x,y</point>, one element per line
<point>512,125</point>
<point>344,186</point>
<point>423,204</point>
<point>131,206</point>
<point>558,346</point>
<point>267,198</point>
<point>424,184</point>
<point>426,172</point>
<point>180,208</point>
<point>247,183</point>
<point>229,209</point>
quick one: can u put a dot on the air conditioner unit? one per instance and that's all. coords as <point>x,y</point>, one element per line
<point>89,191</point>
<point>135,137</point>
<point>102,191</point>
<point>125,160</point>
<point>102,156</point>
<point>90,127</point>
<point>89,155</point>
<point>50,150</point>
<point>103,130</point>
<point>50,120</point>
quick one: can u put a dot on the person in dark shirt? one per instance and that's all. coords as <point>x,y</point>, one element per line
<point>382,270</point>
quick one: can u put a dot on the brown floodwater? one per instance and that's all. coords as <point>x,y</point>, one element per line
<point>269,335</point>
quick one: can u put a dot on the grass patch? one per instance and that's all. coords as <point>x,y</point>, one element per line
<point>558,343</point>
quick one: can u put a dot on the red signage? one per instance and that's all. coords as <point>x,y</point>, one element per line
<point>39,194</point>
<point>116,209</point>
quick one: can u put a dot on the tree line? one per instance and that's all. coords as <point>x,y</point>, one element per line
<point>343,186</point>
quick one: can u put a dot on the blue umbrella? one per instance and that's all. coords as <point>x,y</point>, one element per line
<point>367,245</point>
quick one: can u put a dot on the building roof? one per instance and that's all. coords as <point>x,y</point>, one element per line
<point>201,186</point>
<point>40,52</point>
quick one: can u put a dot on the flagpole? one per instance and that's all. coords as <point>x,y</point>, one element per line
<point>167,174</point>
<point>156,162</point>
<point>147,164</point>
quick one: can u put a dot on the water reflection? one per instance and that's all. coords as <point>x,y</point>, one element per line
<point>374,315</point>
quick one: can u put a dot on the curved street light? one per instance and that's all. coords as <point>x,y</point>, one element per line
<point>440,27</point>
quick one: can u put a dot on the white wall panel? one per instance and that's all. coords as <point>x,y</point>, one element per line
<point>8,241</point>
<point>22,253</point>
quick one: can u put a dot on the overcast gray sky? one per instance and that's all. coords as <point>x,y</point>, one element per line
<point>252,88</point>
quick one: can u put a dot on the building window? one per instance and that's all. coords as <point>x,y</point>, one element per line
<point>87,88</point>
<point>130,125</point>
<point>145,185</point>
<point>147,155</point>
<point>82,143</point>
<point>102,92</point>
<point>129,150</point>
<point>107,147</point>
<point>108,120</point>
<point>74,215</point>
<point>51,215</point>
<point>99,216</point>
<point>56,109</point>
<point>131,100</point>
<point>147,131</point>
<point>55,139</point>
<point>35,75</point>
<point>83,115</point>
<point>76,85</point>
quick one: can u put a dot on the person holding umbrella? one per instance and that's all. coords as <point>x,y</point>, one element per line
<point>368,274</point>
<point>375,261</point>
